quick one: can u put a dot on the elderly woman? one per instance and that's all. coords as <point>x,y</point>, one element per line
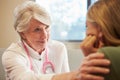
<point>35,56</point>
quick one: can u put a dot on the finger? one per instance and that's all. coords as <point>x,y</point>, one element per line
<point>97,70</point>
<point>98,62</point>
<point>91,41</point>
<point>92,56</point>
<point>86,46</point>
<point>90,77</point>
<point>101,44</point>
<point>95,56</point>
<point>86,39</point>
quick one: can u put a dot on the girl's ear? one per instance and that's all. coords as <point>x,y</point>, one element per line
<point>100,35</point>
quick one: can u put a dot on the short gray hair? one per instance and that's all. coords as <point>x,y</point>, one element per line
<point>29,9</point>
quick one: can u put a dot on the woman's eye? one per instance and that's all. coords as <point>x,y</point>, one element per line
<point>46,27</point>
<point>37,29</point>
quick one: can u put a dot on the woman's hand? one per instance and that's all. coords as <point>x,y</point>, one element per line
<point>91,67</point>
<point>90,45</point>
<point>89,70</point>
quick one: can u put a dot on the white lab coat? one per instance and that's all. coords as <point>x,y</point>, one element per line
<point>17,63</point>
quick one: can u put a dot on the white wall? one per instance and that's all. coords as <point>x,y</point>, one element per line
<point>7,33</point>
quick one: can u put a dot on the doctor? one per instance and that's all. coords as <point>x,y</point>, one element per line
<point>35,56</point>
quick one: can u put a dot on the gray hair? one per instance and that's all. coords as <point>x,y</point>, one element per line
<point>29,9</point>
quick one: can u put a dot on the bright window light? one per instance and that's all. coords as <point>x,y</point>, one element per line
<point>68,18</point>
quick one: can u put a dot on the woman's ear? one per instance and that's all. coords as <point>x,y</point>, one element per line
<point>22,35</point>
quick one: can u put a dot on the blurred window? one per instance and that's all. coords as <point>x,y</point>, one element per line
<point>68,18</point>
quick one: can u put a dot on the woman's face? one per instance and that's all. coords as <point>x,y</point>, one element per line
<point>37,35</point>
<point>94,30</point>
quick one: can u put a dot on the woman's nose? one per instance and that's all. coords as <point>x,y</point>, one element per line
<point>44,34</point>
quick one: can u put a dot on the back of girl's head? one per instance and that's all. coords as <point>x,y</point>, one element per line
<point>106,13</point>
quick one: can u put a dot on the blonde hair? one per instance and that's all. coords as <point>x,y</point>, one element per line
<point>29,9</point>
<point>106,13</point>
